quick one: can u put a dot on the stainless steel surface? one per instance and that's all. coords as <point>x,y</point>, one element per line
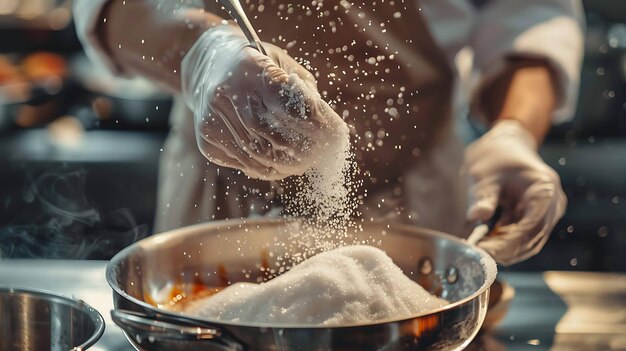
<point>38,320</point>
<point>238,14</point>
<point>542,315</point>
<point>562,311</point>
<point>149,272</point>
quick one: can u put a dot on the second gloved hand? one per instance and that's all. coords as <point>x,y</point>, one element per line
<point>505,171</point>
<point>262,115</point>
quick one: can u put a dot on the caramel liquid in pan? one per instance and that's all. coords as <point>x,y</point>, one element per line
<point>179,300</point>
<point>182,293</point>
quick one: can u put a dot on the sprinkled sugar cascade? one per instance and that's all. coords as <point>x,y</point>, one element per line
<point>325,198</point>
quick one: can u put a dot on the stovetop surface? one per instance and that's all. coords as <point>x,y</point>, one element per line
<point>550,311</point>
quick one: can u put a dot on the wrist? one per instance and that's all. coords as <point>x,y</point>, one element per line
<point>514,129</point>
<point>536,125</point>
<point>524,92</point>
<point>209,57</point>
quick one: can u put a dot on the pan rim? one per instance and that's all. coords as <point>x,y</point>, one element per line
<point>487,262</point>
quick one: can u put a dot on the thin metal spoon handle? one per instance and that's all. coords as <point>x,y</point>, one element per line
<point>236,12</point>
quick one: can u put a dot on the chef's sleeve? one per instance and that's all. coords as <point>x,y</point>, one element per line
<point>87,17</point>
<point>548,29</point>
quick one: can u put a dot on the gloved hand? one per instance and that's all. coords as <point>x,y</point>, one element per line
<point>262,115</point>
<point>505,171</point>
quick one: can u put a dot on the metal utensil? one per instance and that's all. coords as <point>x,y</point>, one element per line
<point>482,229</point>
<point>478,233</point>
<point>146,274</point>
<point>236,12</point>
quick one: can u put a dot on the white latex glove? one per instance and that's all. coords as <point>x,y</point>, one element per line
<point>262,115</point>
<point>505,170</point>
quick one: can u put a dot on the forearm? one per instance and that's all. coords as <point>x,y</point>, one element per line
<point>525,92</point>
<point>143,40</point>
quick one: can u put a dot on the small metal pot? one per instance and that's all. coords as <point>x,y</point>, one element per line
<point>177,263</point>
<point>38,320</point>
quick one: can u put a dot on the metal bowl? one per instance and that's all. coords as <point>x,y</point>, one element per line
<point>149,273</point>
<point>39,320</point>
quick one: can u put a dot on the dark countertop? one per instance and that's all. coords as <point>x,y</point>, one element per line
<point>550,311</point>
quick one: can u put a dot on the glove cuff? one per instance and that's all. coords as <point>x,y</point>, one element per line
<point>513,130</point>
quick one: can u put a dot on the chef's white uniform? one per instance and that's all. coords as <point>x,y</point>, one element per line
<point>474,37</point>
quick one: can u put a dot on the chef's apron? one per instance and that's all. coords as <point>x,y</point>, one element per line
<point>379,68</point>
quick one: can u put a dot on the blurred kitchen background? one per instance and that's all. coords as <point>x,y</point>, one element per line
<point>79,149</point>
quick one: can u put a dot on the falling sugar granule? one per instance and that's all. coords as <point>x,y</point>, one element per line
<point>325,197</point>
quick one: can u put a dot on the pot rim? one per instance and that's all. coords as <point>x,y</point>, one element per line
<point>486,261</point>
<point>79,304</point>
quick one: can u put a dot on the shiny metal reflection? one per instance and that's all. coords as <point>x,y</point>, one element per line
<point>39,320</point>
<point>426,266</point>
<point>452,275</point>
<point>173,264</point>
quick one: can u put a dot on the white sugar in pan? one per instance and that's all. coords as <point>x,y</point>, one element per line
<point>346,285</point>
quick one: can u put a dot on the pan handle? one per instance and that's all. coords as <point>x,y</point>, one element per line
<point>482,229</point>
<point>166,328</point>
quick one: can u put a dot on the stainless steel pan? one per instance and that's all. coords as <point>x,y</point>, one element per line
<point>178,263</point>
